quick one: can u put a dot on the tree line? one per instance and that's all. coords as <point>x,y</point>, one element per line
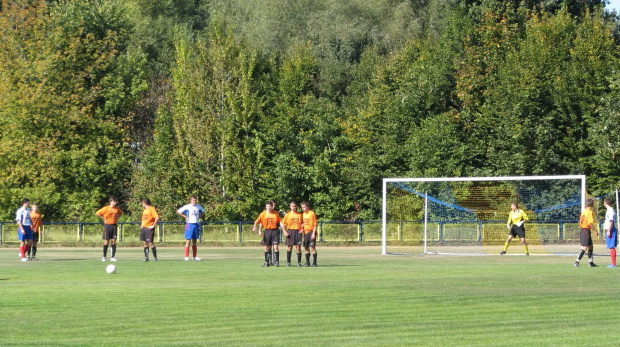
<point>239,101</point>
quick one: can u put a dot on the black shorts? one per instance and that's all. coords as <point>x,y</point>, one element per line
<point>146,234</point>
<point>272,237</point>
<point>294,238</point>
<point>308,241</point>
<point>35,237</point>
<point>585,237</point>
<point>110,231</point>
<point>518,231</point>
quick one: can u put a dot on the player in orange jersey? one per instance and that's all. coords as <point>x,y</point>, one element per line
<point>37,221</point>
<point>586,225</point>
<point>109,214</point>
<point>309,225</point>
<point>291,226</point>
<point>150,217</point>
<point>270,221</point>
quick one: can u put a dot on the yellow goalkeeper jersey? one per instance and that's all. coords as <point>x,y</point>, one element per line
<point>517,216</point>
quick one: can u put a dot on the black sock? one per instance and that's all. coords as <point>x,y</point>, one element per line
<point>267,257</point>
<point>34,251</point>
<point>288,256</point>
<point>277,257</point>
<point>105,251</point>
<point>307,258</point>
<point>113,251</point>
<point>270,255</point>
<point>581,255</point>
<point>314,258</point>
<point>146,252</point>
<point>298,258</point>
<point>590,255</point>
<point>154,252</point>
<point>28,253</point>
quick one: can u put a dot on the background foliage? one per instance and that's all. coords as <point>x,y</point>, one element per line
<point>239,102</point>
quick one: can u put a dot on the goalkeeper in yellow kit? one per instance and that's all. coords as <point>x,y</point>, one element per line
<point>516,221</point>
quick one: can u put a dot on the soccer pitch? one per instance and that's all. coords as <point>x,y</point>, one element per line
<point>355,297</point>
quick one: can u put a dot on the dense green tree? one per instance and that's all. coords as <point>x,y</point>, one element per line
<point>218,96</point>
<point>68,79</point>
<point>535,117</point>
<point>313,100</point>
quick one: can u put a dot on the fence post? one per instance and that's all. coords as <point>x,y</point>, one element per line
<point>240,232</point>
<point>400,231</point>
<point>441,226</point>
<point>360,230</point>
<point>1,233</point>
<point>160,231</point>
<point>321,229</point>
<point>80,231</point>
<point>561,231</point>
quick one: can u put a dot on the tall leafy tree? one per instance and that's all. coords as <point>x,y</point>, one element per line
<point>217,99</point>
<point>68,78</point>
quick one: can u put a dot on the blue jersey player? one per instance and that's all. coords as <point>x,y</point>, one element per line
<point>192,213</point>
<point>611,232</point>
<point>24,228</point>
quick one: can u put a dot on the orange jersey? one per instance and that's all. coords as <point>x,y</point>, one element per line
<point>292,220</point>
<point>309,221</point>
<point>586,218</point>
<point>268,220</point>
<point>110,214</point>
<point>37,220</point>
<point>149,214</point>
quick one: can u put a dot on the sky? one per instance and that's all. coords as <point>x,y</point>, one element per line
<point>614,4</point>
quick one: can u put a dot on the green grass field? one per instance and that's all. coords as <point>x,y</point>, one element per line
<point>355,297</point>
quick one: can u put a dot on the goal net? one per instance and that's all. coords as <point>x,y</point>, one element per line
<point>469,215</point>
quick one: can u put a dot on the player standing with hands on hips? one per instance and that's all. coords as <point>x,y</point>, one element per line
<point>586,225</point>
<point>516,219</point>
<point>611,232</point>
<point>110,215</point>
<point>24,230</point>
<point>270,221</point>
<point>309,225</point>
<point>291,225</point>
<point>192,213</point>
<point>150,217</point>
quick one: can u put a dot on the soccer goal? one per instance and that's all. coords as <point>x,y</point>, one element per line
<point>467,215</point>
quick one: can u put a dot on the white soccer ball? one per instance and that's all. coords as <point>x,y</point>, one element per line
<point>110,269</point>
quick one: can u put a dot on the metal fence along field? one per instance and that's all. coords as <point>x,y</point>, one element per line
<point>488,232</point>
<point>223,232</point>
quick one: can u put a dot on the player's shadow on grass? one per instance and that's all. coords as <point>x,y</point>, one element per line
<point>340,265</point>
<point>4,279</point>
<point>70,259</point>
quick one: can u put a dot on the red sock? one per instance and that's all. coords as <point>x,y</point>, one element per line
<point>194,250</point>
<point>22,251</point>
<point>612,253</point>
<point>186,251</point>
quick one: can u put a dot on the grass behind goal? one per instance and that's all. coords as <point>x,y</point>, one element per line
<point>354,297</point>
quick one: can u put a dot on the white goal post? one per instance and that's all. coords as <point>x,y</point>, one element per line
<point>387,182</point>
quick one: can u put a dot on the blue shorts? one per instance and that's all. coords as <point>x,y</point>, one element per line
<point>192,231</point>
<point>612,242</point>
<point>27,235</point>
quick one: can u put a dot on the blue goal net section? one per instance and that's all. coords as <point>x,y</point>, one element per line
<point>468,215</point>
